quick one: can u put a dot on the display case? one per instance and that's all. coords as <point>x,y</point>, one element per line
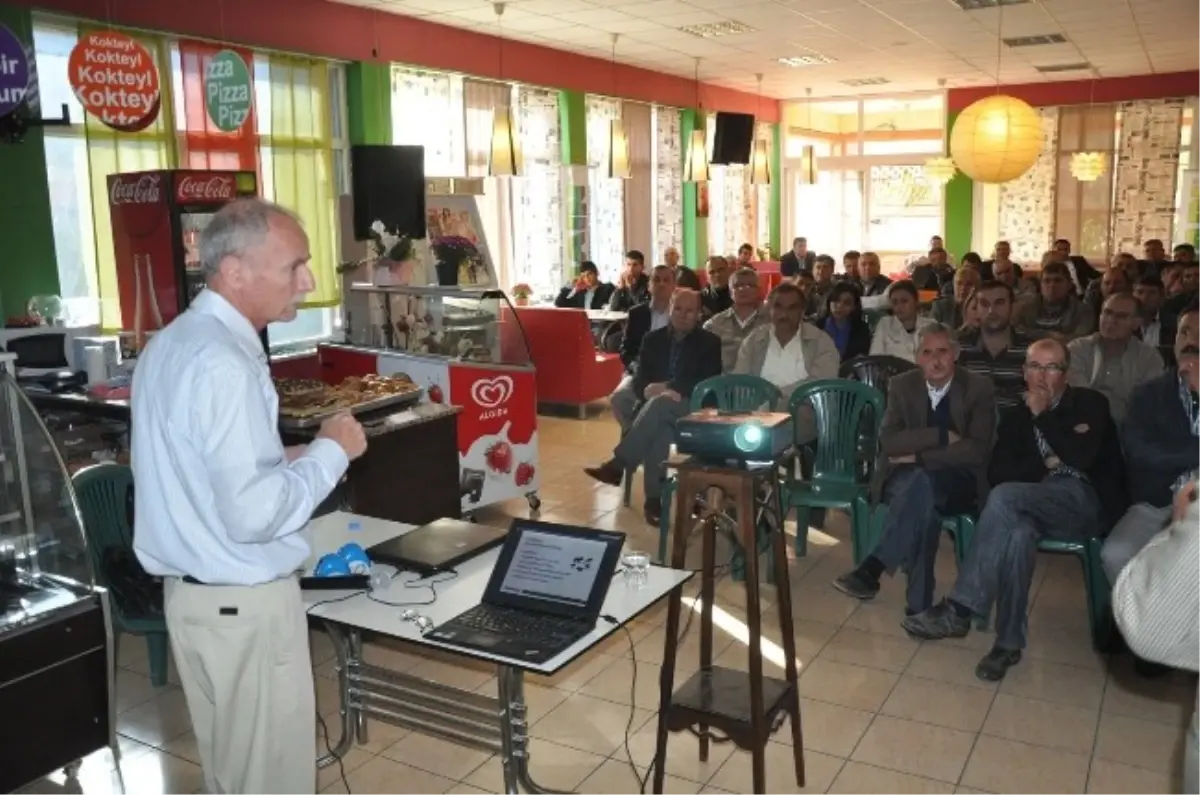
<point>467,349</point>
<point>56,662</point>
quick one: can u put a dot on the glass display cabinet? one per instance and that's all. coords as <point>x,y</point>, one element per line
<point>56,650</point>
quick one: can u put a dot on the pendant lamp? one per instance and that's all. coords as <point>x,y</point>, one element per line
<point>618,142</point>
<point>808,153</point>
<point>695,164</point>
<point>760,156</point>
<point>504,159</point>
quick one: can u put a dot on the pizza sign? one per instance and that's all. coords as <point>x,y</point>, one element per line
<point>115,79</point>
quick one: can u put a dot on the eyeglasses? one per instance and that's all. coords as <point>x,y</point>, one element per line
<point>1053,367</point>
<point>745,286</point>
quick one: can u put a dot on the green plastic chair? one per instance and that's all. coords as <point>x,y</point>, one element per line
<point>731,393</point>
<point>841,408</point>
<point>1096,584</point>
<point>103,492</point>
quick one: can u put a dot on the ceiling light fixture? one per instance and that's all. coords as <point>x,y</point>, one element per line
<point>1064,67</point>
<point>978,5</point>
<point>618,142</point>
<point>695,165</point>
<point>1035,41</point>
<point>1088,166</point>
<point>813,59</point>
<point>713,30</point>
<point>760,157</point>
<point>865,81</point>
<point>505,157</point>
<point>808,153</point>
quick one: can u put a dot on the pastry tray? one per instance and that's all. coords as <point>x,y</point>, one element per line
<point>375,404</point>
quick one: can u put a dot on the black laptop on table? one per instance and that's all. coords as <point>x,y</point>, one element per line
<point>438,546</point>
<point>545,593</point>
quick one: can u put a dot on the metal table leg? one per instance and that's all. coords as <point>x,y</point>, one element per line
<point>341,640</point>
<point>514,734</point>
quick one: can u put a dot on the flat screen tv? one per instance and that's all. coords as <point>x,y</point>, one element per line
<point>733,139</point>
<point>388,185</point>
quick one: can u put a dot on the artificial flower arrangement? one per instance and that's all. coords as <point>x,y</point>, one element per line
<point>521,293</point>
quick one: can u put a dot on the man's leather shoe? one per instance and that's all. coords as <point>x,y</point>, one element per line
<point>610,472</point>
<point>652,511</point>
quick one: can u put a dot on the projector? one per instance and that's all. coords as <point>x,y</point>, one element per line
<point>739,435</point>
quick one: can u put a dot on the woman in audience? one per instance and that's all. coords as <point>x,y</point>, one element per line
<point>844,321</point>
<point>970,310</point>
<point>896,334</point>
<point>948,310</point>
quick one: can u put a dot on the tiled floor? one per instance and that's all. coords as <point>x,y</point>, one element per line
<point>882,712</point>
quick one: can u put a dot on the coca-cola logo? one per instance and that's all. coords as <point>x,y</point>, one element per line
<point>205,189</point>
<point>146,189</point>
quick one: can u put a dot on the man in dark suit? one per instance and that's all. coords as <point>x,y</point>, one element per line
<point>716,296</point>
<point>935,273</point>
<point>587,292</point>
<point>642,319</point>
<point>673,360</point>
<point>798,259</point>
<point>634,285</point>
<point>1056,472</point>
<point>934,444</point>
<point>1157,326</point>
<point>1082,271</point>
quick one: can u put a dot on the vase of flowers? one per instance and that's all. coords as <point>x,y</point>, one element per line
<point>452,252</point>
<point>393,256</point>
<point>521,293</point>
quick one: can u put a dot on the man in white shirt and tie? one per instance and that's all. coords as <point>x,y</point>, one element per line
<point>221,506</point>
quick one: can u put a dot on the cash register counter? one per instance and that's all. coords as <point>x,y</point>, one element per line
<point>408,474</point>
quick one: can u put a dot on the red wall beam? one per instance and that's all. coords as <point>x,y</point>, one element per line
<point>1081,92</point>
<point>353,33</point>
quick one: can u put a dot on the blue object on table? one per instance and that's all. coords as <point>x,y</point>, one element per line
<point>332,566</point>
<point>356,558</point>
<point>354,527</point>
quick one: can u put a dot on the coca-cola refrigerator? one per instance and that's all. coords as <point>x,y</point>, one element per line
<point>157,218</point>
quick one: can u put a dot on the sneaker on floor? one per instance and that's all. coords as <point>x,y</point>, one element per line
<point>939,621</point>
<point>652,512</point>
<point>996,663</point>
<point>610,472</point>
<point>857,585</point>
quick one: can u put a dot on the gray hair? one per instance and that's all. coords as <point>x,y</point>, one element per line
<point>935,329</point>
<point>237,227</point>
<point>745,271</point>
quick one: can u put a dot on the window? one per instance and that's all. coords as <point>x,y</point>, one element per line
<point>667,196</point>
<point>302,147</point>
<point>606,196</point>
<point>427,110</point>
<point>537,197</point>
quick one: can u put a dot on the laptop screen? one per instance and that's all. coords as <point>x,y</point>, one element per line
<point>553,567</point>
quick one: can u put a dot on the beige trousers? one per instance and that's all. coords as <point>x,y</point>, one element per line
<point>243,660</point>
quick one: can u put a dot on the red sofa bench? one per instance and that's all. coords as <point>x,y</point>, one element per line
<point>570,371</point>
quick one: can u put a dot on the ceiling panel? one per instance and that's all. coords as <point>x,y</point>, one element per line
<point>912,42</point>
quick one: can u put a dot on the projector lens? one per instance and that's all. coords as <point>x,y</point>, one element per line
<point>748,437</point>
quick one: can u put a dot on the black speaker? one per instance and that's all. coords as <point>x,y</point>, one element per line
<point>733,139</point>
<point>388,185</point>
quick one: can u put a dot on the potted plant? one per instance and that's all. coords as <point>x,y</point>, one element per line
<point>393,256</point>
<point>521,294</point>
<point>452,252</point>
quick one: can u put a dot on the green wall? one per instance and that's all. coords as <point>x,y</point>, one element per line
<point>572,123</point>
<point>960,205</point>
<point>369,103</point>
<point>26,232</point>
<point>774,208</point>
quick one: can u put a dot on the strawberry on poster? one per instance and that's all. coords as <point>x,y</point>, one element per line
<point>497,430</point>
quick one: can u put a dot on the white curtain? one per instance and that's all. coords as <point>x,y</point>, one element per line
<point>668,182</point>
<point>639,188</point>
<point>606,197</point>
<point>762,196</point>
<point>427,110</point>
<point>481,98</point>
<point>537,197</point>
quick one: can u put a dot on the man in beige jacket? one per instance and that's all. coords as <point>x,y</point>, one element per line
<point>789,352</point>
<point>735,323</point>
<point>1156,602</point>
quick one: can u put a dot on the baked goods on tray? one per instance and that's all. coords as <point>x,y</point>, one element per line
<point>302,397</point>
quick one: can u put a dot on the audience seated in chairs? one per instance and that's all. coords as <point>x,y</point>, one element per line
<point>1079,271</point>
<point>1162,449</point>
<point>673,360</point>
<point>798,259</point>
<point>872,282</point>
<point>716,297</point>
<point>633,287</point>
<point>948,310</point>
<point>823,284</point>
<point>1010,273</point>
<point>934,447</point>
<point>587,292</point>
<point>935,272</point>
<point>995,349</point>
<point>843,321</point>
<point>735,323</point>
<point>1055,309</point>
<point>685,277</point>
<point>1157,327</point>
<point>788,352</point>
<point>644,318</point>
<point>896,334</point>
<point>1115,280</point>
<point>1111,361</point>
<point>1056,472</point>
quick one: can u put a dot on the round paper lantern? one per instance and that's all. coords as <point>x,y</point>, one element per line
<point>996,139</point>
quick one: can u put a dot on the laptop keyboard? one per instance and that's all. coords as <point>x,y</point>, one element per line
<point>519,623</point>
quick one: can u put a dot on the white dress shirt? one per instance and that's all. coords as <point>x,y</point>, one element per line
<point>784,364</point>
<point>659,319</point>
<point>936,393</point>
<point>890,338</point>
<point>215,497</point>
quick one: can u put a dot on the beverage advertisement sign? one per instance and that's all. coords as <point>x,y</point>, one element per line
<point>14,71</point>
<point>115,79</point>
<point>228,91</point>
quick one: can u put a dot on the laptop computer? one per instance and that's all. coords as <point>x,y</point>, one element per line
<point>545,593</point>
<point>438,546</point>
